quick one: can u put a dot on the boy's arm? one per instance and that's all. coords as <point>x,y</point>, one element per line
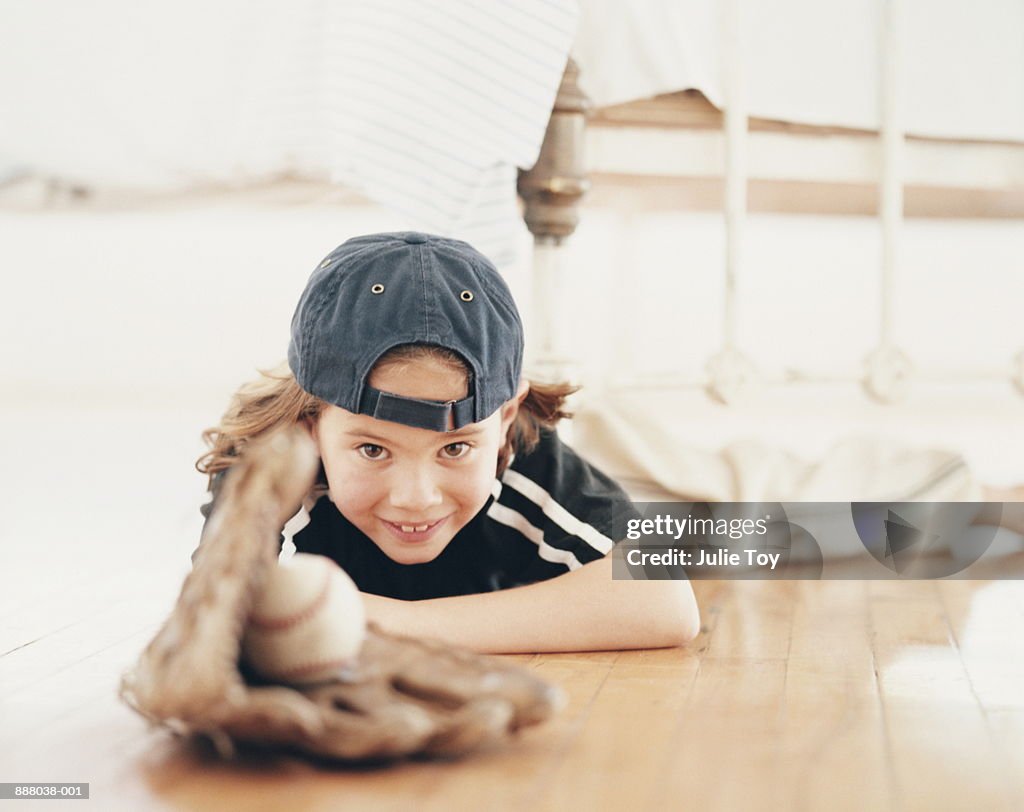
<point>582,610</point>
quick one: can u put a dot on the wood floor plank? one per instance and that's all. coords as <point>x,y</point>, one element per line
<point>796,695</point>
<point>985,620</point>
<point>941,750</point>
<point>525,778</point>
<point>834,736</point>
<point>758,623</point>
<point>632,721</point>
<point>1007,728</point>
<point>724,754</point>
<point>26,666</point>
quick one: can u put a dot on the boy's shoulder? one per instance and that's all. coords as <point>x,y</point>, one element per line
<point>564,476</point>
<point>550,456</point>
<point>564,510</point>
<point>551,453</point>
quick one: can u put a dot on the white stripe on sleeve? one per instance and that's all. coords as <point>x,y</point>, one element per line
<point>510,518</point>
<point>558,514</point>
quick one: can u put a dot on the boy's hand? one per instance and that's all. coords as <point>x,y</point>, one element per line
<point>405,696</point>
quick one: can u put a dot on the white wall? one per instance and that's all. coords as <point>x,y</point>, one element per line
<point>808,295</point>
<point>177,302</point>
<point>180,299</point>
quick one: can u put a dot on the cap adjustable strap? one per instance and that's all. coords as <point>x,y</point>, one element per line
<point>435,415</point>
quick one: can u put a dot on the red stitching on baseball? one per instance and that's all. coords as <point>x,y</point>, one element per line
<point>271,624</point>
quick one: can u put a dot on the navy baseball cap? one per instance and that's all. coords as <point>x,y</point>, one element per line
<point>379,291</point>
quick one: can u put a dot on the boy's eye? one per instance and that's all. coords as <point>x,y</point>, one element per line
<point>453,451</point>
<point>370,451</point>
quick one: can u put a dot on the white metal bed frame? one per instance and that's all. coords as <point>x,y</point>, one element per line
<point>553,188</point>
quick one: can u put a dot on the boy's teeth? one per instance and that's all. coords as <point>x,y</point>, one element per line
<point>408,528</point>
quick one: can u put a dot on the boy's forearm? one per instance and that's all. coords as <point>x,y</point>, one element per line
<point>583,610</point>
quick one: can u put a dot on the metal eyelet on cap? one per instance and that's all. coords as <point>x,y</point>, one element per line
<point>466,296</point>
<point>378,288</point>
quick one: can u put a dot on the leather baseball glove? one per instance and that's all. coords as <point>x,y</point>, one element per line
<point>403,697</point>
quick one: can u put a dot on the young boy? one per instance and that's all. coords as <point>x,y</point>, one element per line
<point>445,492</point>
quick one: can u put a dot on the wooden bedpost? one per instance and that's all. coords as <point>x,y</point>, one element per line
<point>551,193</point>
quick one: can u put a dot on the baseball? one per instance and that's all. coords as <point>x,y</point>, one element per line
<point>308,622</point>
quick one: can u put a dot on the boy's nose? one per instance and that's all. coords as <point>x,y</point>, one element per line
<point>414,490</point>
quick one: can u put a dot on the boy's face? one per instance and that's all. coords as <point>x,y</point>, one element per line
<point>411,490</point>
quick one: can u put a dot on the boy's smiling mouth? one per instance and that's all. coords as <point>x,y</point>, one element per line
<point>407,531</point>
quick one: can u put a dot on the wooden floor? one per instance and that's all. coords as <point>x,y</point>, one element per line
<point>797,695</point>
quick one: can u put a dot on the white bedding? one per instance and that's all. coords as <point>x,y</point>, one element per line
<point>158,97</point>
<point>817,62</point>
<point>426,106</point>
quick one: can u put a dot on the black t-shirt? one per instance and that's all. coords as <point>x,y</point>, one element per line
<point>550,512</point>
